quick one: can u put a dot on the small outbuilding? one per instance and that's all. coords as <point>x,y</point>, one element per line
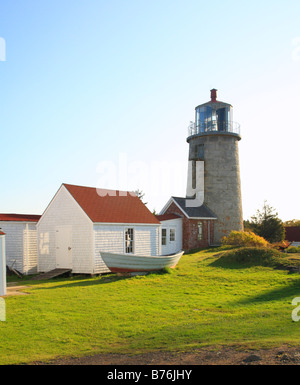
<point>21,241</point>
<point>81,221</point>
<point>171,233</point>
<point>197,222</point>
<point>2,267</point>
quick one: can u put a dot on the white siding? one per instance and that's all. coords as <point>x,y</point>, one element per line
<point>14,244</point>
<point>2,273</point>
<point>65,211</point>
<point>21,245</point>
<point>147,240</point>
<point>172,246</point>
<point>30,249</point>
<point>111,238</point>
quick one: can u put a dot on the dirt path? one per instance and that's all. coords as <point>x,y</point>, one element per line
<point>224,356</point>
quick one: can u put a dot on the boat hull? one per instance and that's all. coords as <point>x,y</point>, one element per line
<point>130,263</point>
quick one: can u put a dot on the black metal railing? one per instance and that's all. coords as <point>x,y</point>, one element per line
<point>214,126</point>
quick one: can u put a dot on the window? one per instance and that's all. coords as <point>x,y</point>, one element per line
<point>210,118</point>
<point>172,235</point>
<point>200,231</point>
<point>221,119</point>
<point>164,237</point>
<point>129,241</point>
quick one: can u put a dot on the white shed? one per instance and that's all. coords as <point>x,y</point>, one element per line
<point>81,221</point>
<point>2,268</point>
<point>21,241</point>
<point>171,233</point>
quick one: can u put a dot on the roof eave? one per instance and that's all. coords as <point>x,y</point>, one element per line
<point>127,224</point>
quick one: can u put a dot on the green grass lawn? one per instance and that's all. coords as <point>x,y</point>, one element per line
<point>200,303</point>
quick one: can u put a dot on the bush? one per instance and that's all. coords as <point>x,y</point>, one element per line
<point>283,245</point>
<point>293,249</point>
<point>243,238</point>
<point>251,256</point>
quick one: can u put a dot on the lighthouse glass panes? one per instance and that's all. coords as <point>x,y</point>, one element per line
<point>213,118</point>
<point>129,241</point>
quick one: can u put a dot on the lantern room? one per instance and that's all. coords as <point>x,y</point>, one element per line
<point>214,117</point>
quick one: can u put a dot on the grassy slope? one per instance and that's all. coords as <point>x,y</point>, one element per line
<point>198,304</point>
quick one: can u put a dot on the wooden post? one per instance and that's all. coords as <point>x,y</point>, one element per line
<point>2,264</point>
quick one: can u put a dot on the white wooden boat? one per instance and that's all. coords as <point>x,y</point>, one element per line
<point>128,263</point>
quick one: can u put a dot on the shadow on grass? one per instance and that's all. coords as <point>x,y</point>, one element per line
<point>223,263</point>
<point>211,249</point>
<point>290,291</point>
<point>83,281</point>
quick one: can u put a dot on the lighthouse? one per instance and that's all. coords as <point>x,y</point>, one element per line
<point>213,167</point>
<point>212,207</point>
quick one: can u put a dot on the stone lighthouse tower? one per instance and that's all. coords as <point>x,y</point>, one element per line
<point>213,172</point>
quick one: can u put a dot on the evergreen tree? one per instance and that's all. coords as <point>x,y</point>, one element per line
<point>266,224</point>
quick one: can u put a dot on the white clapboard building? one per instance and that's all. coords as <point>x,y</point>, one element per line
<point>81,221</point>
<point>171,233</point>
<point>21,241</point>
<point>2,270</point>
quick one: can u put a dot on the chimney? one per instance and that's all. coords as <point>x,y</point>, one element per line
<point>213,95</point>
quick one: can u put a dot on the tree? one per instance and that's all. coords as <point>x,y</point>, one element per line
<point>140,194</point>
<point>292,222</point>
<point>266,224</point>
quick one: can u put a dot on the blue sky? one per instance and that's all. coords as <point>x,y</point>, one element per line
<point>100,93</point>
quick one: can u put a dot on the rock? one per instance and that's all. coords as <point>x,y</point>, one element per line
<point>252,358</point>
<point>284,357</point>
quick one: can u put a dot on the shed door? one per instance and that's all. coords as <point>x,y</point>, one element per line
<point>63,240</point>
<point>168,240</point>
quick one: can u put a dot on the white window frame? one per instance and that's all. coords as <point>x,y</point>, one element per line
<point>132,241</point>
<point>173,232</point>
<point>200,231</point>
<point>164,237</point>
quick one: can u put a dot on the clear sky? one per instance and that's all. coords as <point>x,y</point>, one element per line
<point>100,93</point>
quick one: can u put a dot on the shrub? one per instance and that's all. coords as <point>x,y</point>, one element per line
<point>251,256</point>
<point>283,245</point>
<point>293,249</point>
<point>243,238</point>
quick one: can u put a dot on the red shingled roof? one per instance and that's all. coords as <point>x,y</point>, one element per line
<point>110,206</point>
<point>19,218</point>
<point>167,217</point>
